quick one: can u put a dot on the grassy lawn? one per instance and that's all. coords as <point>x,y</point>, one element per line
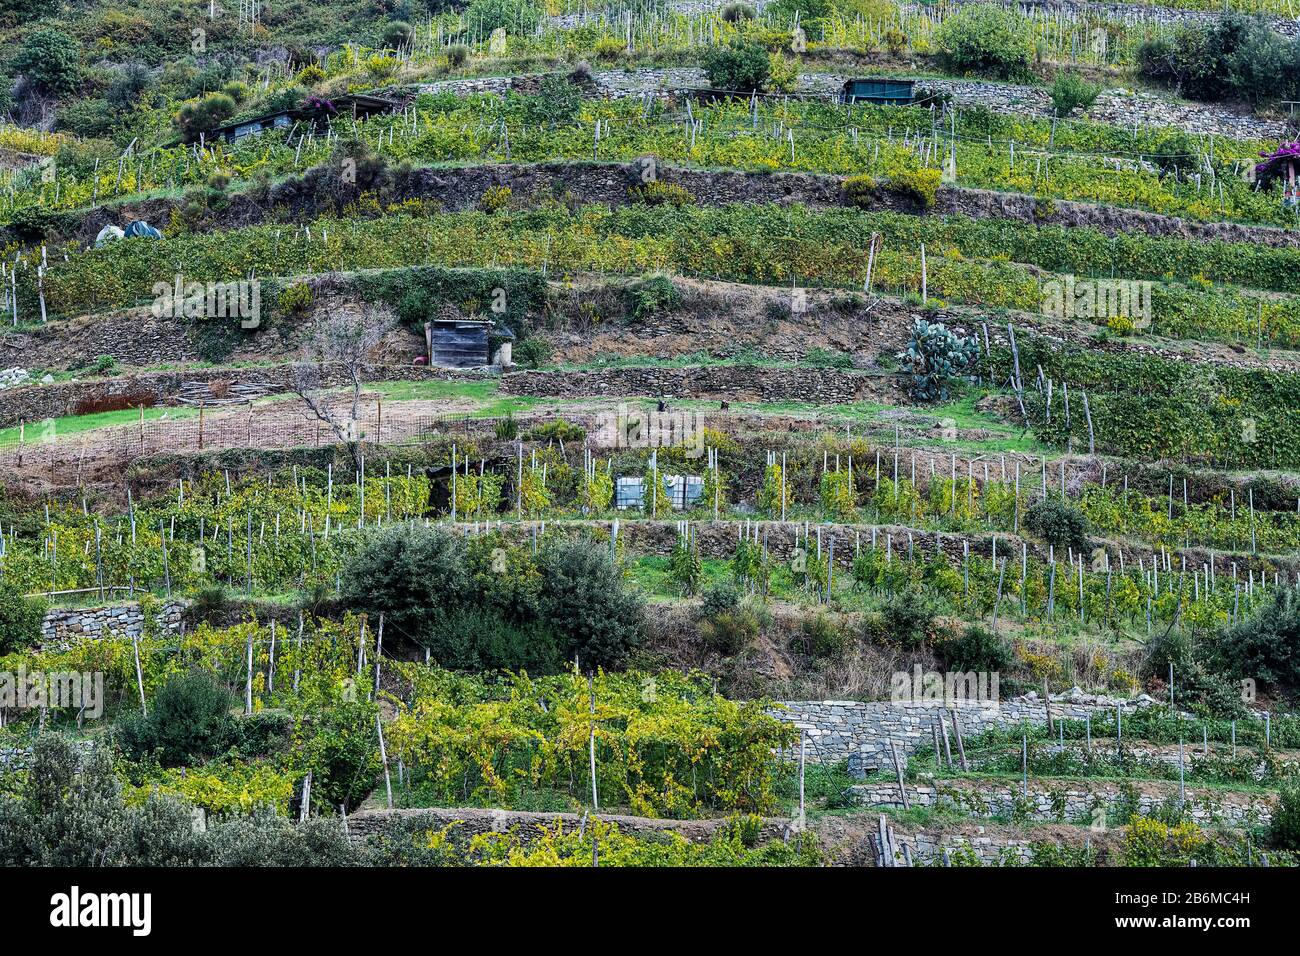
<point>59,428</point>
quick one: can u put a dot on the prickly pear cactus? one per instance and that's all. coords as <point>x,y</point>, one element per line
<point>935,358</point>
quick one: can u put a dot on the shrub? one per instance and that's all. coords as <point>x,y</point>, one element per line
<point>457,55</point>
<point>1237,57</point>
<point>1284,829</point>
<point>1266,646</point>
<point>204,114</point>
<point>732,631</point>
<point>907,617</point>
<point>415,576</point>
<point>721,598</point>
<point>987,39</point>
<point>653,296</point>
<point>396,35</point>
<point>532,352</point>
<point>608,48</point>
<point>210,603</point>
<point>905,175</point>
<point>51,60</point>
<point>295,300</point>
<point>495,198</point>
<point>310,75</point>
<point>741,66</point>
<point>188,718</point>
<point>1058,523</point>
<point>1071,92</point>
<point>585,599</point>
<point>20,619</point>
<point>977,649</point>
<point>236,90</point>
<point>557,102</point>
<point>859,190</point>
<point>821,636</point>
<point>660,193</point>
<point>560,430</point>
<point>736,11</point>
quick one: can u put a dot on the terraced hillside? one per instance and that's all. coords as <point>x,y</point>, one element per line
<point>585,418</point>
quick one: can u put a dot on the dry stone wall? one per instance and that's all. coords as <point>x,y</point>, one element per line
<point>471,822</point>
<point>1070,801</point>
<point>862,732</point>
<point>64,626</point>
<point>1122,106</point>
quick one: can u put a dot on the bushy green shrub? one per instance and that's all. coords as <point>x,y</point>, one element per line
<point>1236,57</point>
<point>532,352</point>
<point>202,115</point>
<point>51,60</point>
<point>1059,523</point>
<point>557,102</point>
<point>821,636</point>
<point>652,296</point>
<point>189,718</point>
<point>20,619</point>
<point>735,12</point>
<point>417,577</point>
<point>1284,828</point>
<point>740,66</point>
<point>976,649</point>
<point>1265,647</point>
<point>1071,92</point>
<point>585,599</point>
<point>988,40</point>
<point>907,617</point>
<point>482,605</point>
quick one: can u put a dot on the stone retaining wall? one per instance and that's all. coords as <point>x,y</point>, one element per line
<point>862,732</point>
<point>738,383</point>
<point>65,625</point>
<point>1069,801</point>
<point>474,821</point>
<point>1120,106</point>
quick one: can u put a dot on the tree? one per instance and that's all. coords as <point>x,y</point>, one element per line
<point>585,599</point>
<point>987,39</point>
<point>740,67</point>
<point>1266,646</point>
<point>417,577</point>
<point>51,60</point>
<point>205,114</point>
<point>339,342</point>
<point>1060,524</point>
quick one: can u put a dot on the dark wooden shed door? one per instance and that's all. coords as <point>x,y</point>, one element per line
<point>459,344</point>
